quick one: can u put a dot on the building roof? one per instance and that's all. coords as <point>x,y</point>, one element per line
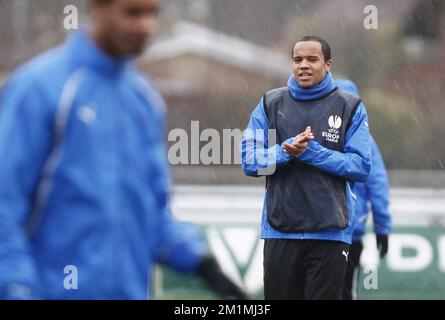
<point>190,38</point>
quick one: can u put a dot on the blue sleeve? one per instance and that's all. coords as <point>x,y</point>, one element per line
<point>378,192</point>
<point>257,158</point>
<point>179,245</point>
<point>25,138</point>
<point>355,162</point>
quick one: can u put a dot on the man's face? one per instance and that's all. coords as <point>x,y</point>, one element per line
<point>126,25</point>
<point>309,64</point>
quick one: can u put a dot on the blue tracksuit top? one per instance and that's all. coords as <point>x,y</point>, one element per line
<point>353,164</point>
<point>374,191</point>
<point>84,178</point>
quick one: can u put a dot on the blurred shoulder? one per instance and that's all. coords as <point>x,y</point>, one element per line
<point>47,74</point>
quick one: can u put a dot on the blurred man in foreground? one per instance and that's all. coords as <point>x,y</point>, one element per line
<point>83,170</point>
<point>375,191</point>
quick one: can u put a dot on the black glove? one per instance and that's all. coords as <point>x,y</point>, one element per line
<point>210,271</point>
<point>382,244</point>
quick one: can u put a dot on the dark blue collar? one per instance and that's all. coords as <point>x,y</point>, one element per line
<point>86,52</point>
<point>318,91</point>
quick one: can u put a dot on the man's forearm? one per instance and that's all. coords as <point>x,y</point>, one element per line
<point>349,165</point>
<point>258,162</point>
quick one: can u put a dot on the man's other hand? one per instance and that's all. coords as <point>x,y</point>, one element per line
<point>300,143</point>
<point>217,281</point>
<point>382,244</point>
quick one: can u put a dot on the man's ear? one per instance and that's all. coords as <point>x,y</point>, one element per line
<point>328,65</point>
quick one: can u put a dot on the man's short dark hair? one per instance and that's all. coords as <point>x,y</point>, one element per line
<point>325,48</point>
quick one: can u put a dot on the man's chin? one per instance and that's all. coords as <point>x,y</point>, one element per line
<point>305,85</point>
<point>137,51</point>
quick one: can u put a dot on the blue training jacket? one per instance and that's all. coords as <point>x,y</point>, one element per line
<point>84,179</point>
<point>375,191</point>
<point>353,164</point>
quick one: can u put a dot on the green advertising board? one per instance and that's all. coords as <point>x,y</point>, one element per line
<point>413,269</point>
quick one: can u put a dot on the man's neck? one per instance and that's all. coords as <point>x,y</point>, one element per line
<point>101,41</point>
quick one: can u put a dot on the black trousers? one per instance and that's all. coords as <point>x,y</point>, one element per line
<point>352,271</point>
<point>304,269</point>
